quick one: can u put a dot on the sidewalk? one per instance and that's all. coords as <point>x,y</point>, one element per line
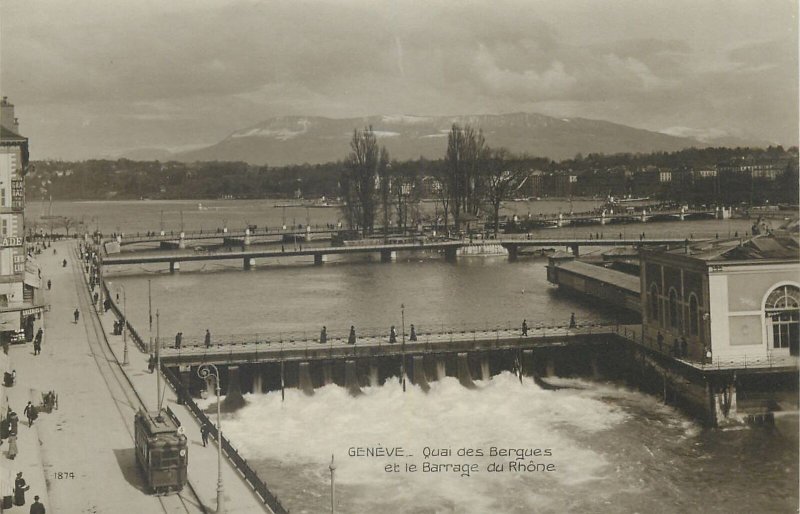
<point>238,496</point>
<point>83,452</point>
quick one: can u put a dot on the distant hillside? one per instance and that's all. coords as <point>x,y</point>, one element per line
<point>302,139</point>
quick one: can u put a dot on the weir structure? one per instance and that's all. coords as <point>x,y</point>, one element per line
<point>716,392</point>
<point>470,356</point>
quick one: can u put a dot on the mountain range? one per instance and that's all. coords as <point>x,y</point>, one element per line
<point>311,139</point>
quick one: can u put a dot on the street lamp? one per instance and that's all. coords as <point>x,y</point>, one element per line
<point>403,349</point>
<point>332,467</point>
<point>205,372</point>
<point>124,326</point>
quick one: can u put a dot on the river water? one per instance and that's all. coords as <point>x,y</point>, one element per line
<point>611,449</point>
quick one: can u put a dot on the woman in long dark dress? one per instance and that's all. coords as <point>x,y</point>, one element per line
<point>20,486</point>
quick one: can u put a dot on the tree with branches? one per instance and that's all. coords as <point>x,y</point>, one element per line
<point>460,175</point>
<point>363,166</point>
<point>503,176</point>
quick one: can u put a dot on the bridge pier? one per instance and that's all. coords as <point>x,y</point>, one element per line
<point>575,249</point>
<point>387,256</point>
<point>233,397</point>
<point>174,266</point>
<point>305,383</point>
<point>451,254</point>
<point>185,380</point>
<point>258,381</point>
<point>249,262</point>
<point>321,258</point>
<point>513,252</point>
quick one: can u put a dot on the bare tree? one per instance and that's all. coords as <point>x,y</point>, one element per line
<point>503,175</point>
<point>385,188</point>
<point>460,175</point>
<point>68,223</point>
<point>362,167</point>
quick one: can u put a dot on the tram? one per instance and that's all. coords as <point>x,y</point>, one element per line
<point>161,450</point>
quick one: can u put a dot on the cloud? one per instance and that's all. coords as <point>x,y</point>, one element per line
<point>173,73</point>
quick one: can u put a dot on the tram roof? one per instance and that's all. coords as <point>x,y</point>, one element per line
<point>158,422</point>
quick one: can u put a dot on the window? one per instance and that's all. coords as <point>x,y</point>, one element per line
<point>654,315</point>
<point>674,309</point>
<point>694,316</point>
<point>782,313</point>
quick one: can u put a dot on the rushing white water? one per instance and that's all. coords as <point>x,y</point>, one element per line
<point>302,433</point>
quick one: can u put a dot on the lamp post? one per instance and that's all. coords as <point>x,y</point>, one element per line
<point>124,326</point>
<point>403,349</point>
<point>206,371</point>
<point>332,467</point>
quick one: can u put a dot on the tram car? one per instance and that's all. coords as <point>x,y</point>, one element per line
<point>161,450</point>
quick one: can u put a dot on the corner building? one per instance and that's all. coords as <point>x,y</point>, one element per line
<point>739,299</point>
<point>21,306</point>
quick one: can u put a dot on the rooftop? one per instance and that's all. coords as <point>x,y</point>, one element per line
<point>780,245</point>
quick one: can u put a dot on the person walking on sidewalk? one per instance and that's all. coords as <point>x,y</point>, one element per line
<point>36,507</point>
<point>12,447</point>
<point>20,486</point>
<point>76,315</point>
<point>49,285</point>
<point>204,433</point>
<point>208,339</point>
<point>31,413</point>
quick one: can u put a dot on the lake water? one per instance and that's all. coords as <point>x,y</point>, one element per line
<point>613,449</point>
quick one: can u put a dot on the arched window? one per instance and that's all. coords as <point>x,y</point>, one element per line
<point>674,308</point>
<point>782,312</point>
<point>654,303</point>
<point>694,315</point>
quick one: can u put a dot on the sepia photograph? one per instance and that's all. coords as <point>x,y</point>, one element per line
<point>399,256</point>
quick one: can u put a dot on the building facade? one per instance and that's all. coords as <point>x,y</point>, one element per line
<point>740,300</point>
<point>20,279</point>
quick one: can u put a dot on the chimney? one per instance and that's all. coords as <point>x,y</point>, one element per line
<point>7,118</point>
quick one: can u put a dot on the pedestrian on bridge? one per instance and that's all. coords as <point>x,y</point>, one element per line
<point>660,341</point>
<point>392,335</point>
<point>572,322</point>
<point>524,328</point>
<point>208,339</point>
<point>323,335</point>
<point>413,335</point>
<point>351,339</point>
<point>178,340</point>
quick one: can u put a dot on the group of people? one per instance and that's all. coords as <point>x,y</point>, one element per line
<point>20,488</point>
<point>678,349</point>
<point>351,338</point>
<point>119,325</point>
<point>572,324</point>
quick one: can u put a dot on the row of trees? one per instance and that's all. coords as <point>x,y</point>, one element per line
<point>473,179</point>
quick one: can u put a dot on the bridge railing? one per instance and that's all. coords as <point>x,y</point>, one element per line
<point>375,335</point>
<point>698,359</point>
<point>239,462</point>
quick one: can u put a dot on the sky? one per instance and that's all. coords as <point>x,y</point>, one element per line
<point>98,78</point>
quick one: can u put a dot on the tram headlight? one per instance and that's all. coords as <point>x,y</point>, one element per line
<point>183,452</point>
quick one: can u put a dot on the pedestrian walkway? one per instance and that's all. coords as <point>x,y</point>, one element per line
<point>238,496</point>
<point>83,451</point>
